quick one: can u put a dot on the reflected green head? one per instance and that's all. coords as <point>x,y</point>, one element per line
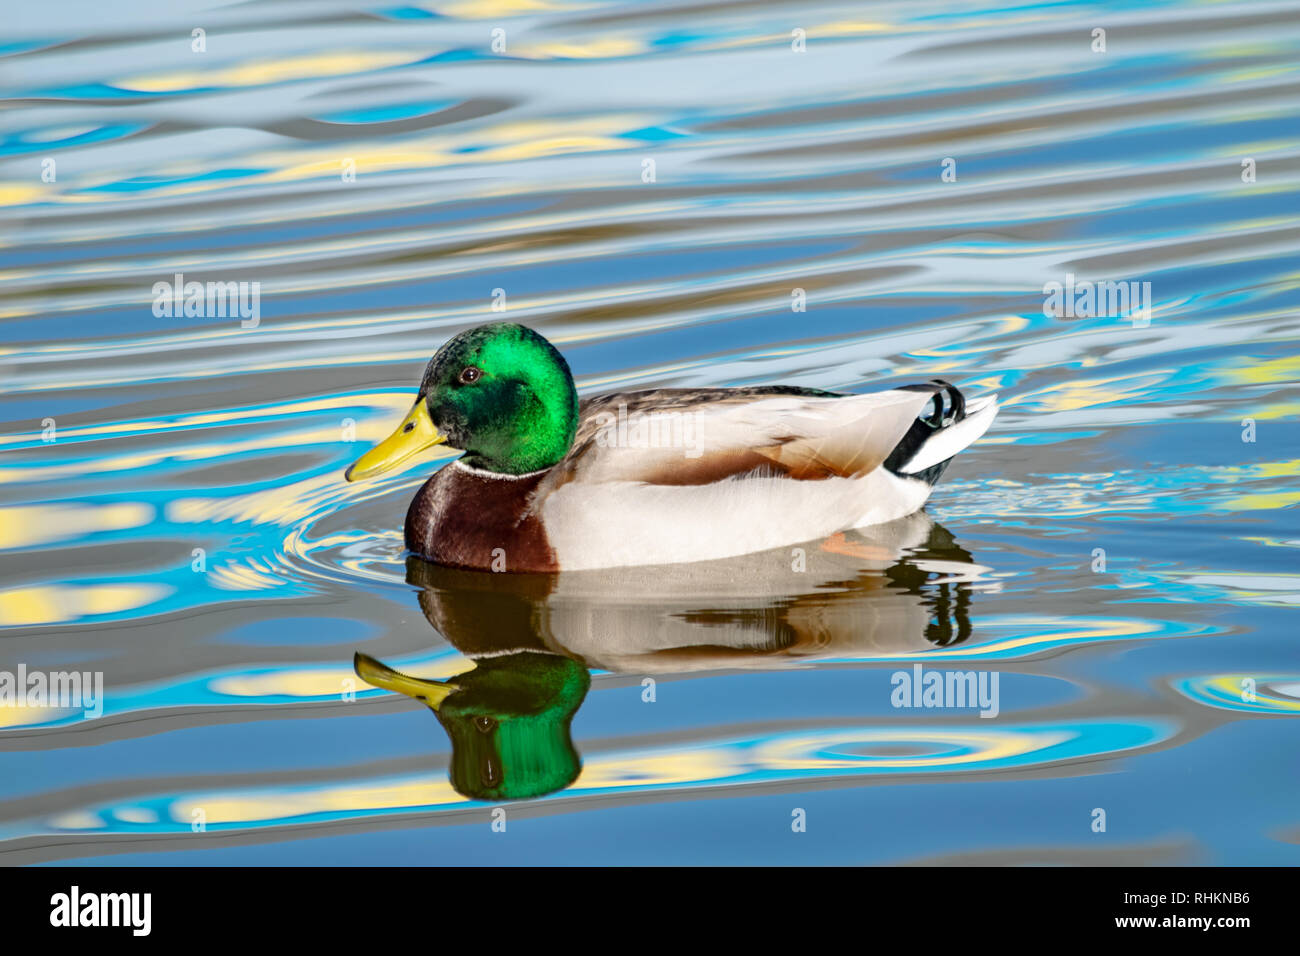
<point>509,725</point>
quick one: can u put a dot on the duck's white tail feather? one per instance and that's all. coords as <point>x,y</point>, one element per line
<point>951,439</point>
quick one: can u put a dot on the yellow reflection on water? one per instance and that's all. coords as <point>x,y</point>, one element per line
<point>413,793</point>
<point>16,194</point>
<point>241,576</point>
<point>482,9</point>
<point>11,716</point>
<point>851,28</point>
<point>653,769</point>
<point>56,603</point>
<point>24,525</point>
<point>1285,368</point>
<point>1263,501</point>
<point>266,72</point>
<point>1087,393</point>
<point>598,48</point>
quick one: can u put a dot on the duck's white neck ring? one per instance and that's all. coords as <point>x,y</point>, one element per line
<point>460,463</point>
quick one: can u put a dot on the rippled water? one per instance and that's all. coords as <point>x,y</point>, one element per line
<point>1115,550</point>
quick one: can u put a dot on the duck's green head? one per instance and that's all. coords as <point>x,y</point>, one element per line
<point>500,392</point>
<point>508,720</point>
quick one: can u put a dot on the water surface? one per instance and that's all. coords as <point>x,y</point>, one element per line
<point>1115,549</point>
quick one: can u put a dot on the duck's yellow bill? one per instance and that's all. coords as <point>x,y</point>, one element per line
<point>381,675</point>
<point>416,433</point>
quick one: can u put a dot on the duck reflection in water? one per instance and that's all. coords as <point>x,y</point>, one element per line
<point>893,590</point>
<point>508,720</point>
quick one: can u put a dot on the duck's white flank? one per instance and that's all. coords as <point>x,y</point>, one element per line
<point>629,523</point>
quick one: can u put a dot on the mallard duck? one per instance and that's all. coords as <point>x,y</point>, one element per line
<point>551,483</point>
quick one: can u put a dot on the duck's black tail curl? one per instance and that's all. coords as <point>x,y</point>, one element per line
<point>949,410</point>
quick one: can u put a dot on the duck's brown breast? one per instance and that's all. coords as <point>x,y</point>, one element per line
<point>468,519</point>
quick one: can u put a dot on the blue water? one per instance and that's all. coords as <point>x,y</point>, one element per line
<point>1120,549</point>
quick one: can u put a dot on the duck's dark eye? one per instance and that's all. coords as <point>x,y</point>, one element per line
<point>469,375</point>
<point>484,724</point>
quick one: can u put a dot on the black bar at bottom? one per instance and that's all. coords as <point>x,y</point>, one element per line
<point>440,907</point>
